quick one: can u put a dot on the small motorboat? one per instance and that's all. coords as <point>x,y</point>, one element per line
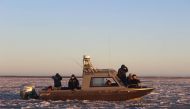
<point>94,87</point>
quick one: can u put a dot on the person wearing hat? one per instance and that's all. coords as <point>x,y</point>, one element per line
<point>134,82</point>
<point>57,81</point>
<point>122,74</point>
<point>129,78</point>
<point>73,82</point>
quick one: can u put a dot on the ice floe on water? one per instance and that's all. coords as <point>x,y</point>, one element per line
<point>171,93</point>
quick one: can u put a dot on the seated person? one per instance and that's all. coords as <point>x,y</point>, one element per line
<point>134,82</point>
<point>122,74</point>
<point>57,81</point>
<point>108,83</point>
<point>73,83</point>
<point>129,78</point>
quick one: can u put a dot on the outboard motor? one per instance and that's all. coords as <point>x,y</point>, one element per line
<point>28,92</point>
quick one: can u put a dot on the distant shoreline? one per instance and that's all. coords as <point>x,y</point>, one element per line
<point>164,77</point>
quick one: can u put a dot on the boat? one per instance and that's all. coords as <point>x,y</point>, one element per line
<point>94,87</point>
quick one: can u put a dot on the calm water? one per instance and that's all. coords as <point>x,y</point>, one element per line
<point>169,93</point>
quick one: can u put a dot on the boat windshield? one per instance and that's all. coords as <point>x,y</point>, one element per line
<point>103,82</point>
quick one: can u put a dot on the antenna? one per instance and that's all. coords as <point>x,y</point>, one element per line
<point>76,62</point>
<point>109,55</point>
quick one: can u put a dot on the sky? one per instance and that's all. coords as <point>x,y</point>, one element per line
<point>43,37</point>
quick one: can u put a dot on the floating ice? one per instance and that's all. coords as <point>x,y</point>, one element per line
<point>168,93</point>
<point>44,104</point>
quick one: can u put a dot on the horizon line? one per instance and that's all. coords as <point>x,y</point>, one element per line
<point>81,76</point>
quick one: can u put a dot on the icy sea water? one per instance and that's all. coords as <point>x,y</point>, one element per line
<point>169,93</point>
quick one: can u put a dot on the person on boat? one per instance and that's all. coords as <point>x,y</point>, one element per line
<point>134,82</point>
<point>57,81</point>
<point>108,83</point>
<point>129,78</point>
<point>73,82</point>
<point>122,74</point>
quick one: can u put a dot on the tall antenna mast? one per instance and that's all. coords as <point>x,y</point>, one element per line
<point>109,54</point>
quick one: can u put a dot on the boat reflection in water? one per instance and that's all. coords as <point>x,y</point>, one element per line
<point>97,84</point>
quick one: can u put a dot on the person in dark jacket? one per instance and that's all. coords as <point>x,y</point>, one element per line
<point>135,81</point>
<point>129,78</point>
<point>73,82</point>
<point>122,74</point>
<point>57,81</point>
<point>108,83</point>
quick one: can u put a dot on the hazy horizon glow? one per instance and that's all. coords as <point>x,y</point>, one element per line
<point>43,37</point>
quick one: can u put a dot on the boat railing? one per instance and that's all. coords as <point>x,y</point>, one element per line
<point>146,83</point>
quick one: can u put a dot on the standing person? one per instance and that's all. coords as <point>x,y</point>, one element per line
<point>122,74</point>
<point>57,81</point>
<point>73,82</point>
